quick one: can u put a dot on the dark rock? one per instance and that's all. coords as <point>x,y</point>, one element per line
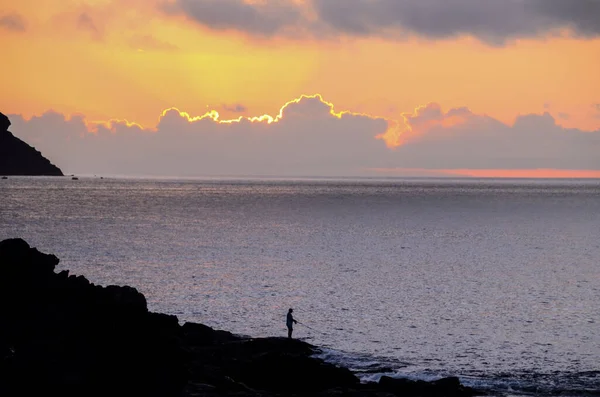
<point>202,335</point>
<point>62,335</point>
<point>72,337</point>
<point>4,122</point>
<point>270,364</point>
<point>446,387</point>
<point>18,158</point>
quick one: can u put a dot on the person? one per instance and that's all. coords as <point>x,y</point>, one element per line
<point>290,322</point>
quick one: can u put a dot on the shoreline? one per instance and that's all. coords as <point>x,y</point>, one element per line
<point>61,334</point>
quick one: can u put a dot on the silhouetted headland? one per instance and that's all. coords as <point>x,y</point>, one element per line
<point>18,158</point>
<point>62,335</point>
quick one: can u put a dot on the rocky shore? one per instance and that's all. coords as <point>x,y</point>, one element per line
<point>62,335</point>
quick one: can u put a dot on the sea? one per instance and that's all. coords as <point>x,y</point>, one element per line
<point>496,281</point>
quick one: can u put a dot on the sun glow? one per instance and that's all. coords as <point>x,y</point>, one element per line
<point>111,125</point>
<point>534,173</point>
<point>215,116</point>
<point>391,137</point>
<point>545,173</point>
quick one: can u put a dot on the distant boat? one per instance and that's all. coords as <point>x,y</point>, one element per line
<point>4,177</point>
<point>74,178</point>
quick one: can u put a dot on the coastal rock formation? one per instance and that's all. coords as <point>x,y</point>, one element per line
<point>18,158</point>
<point>62,335</point>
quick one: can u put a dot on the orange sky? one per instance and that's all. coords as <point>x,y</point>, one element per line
<point>128,60</point>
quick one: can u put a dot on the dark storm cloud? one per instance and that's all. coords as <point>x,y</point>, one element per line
<point>13,22</point>
<point>492,21</point>
<point>583,16</point>
<point>261,19</point>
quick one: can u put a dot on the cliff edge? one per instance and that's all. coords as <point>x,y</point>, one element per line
<point>18,158</point>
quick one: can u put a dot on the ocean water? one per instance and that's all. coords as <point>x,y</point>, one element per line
<point>494,281</point>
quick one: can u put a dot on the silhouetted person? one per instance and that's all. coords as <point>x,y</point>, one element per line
<point>290,323</point>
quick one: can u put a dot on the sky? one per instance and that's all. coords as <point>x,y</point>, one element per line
<point>482,88</point>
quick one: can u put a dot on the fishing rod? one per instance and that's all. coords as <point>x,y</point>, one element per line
<point>311,328</point>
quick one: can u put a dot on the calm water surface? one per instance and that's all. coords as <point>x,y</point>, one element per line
<point>496,281</point>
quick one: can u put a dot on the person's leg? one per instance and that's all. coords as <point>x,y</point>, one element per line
<point>290,332</point>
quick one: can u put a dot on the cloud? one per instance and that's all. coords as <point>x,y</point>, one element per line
<point>151,43</point>
<point>461,139</point>
<point>261,18</point>
<point>309,137</point>
<point>13,22</point>
<point>564,116</point>
<point>596,108</point>
<point>86,23</point>
<point>236,108</point>
<point>492,21</point>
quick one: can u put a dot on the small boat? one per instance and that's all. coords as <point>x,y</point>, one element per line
<point>74,178</point>
<point>4,177</point>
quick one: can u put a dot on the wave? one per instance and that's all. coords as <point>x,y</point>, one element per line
<point>519,383</point>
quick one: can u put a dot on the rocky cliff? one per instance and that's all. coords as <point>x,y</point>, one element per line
<point>18,158</point>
